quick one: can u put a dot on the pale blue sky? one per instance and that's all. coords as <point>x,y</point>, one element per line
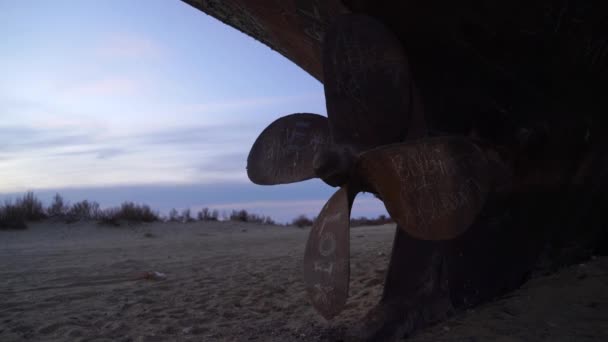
<point>151,101</point>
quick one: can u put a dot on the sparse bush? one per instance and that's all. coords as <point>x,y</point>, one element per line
<point>186,216</point>
<point>83,210</point>
<point>15,215</point>
<point>255,218</point>
<point>109,217</point>
<point>207,215</point>
<point>239,215</point>
<point>12,217</point>
<point>301,221</point>
<point>243,216</point>
<point>128,211</point>
<point>31,207</point>
<point>174,216</point>
<point>27,208</point>
<point>364,221</point>
<point>269,221</point>
<point>58,207</point>
<point>202,214</point>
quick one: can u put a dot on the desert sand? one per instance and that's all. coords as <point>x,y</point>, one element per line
<point>228,281</point>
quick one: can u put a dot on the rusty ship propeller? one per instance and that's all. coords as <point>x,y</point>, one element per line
<point>432,187</point>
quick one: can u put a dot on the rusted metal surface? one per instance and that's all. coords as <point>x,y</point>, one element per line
<point>368,86</point>
<point>327,256</point>
<point>487,70</point>
<point>285,150</point>
<point>433,188</point>
<point>294,28</point>
<point>502,53</point>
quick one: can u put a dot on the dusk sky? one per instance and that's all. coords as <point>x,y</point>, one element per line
<point>149,101</point>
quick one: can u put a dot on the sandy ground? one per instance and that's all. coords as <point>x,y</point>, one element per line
<point>242,282</point>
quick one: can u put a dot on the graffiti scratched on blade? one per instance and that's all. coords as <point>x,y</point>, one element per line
<point>326,259</point>
<point>434,188</point>
<point>284,152</point>
<point>367,85</point>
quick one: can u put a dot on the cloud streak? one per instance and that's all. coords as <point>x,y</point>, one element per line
<point>194,135</point>
<point>72,157</point>
<point>129,45</point>
<point>109,86</point>
<point>99,153</point>
<point>231,105</point>
<point>23,139</point>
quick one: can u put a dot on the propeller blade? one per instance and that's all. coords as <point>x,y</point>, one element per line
<point>368,86</point>
<point>433,188</point>
<point>327,256</point>
<point>284,151</point>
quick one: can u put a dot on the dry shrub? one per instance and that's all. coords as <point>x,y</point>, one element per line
<point>301,221</point>
<point>31,207</point>
<point>174,216</point>
<point>244,216</point>
<point>186,216</point>
<point>364,221</point>
<point>83,211</point>
<point>110,217</point>
<point>27,208</point>
<point>239,215</point>
<point>128,211</point>
<point>58,208</point>
<point>207,215</point>
<point>11,217</point>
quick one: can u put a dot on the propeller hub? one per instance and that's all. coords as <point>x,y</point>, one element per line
<point>334,165</point>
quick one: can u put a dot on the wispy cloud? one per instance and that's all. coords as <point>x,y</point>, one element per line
<point>72,156</point>
<point>24,139</point>
<point>108,86</point>
<point>99,153</point>
<point>209,135</point>
<point>238,104</point>
<point>129,45</point>
<point>225,162</point>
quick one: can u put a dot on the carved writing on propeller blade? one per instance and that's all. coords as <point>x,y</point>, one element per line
<point>271,147</point>
<point>437,205</point>
<point>322,293</point>
<point>426,164</point>
<point>293,141</point>
<point>292,137</point>
<point>316,141</point>
<point>325,267</point>
<point>355,60</point>
<point>313,24</point>
<point>327,244</point>
<point>431,163</point>
<point>433,182</point>
<point>329,219</point>
<point>358,56</point>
